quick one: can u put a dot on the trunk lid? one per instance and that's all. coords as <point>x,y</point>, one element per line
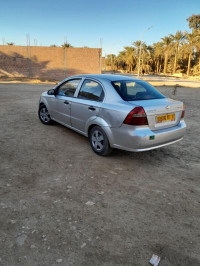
<point>161,113</point>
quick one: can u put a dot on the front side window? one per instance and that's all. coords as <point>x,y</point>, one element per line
<point>68,88</point>
<point>91,90</point>
<point>136,90</point>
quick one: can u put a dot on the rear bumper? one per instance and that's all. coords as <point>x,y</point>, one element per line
<point>143,138</point>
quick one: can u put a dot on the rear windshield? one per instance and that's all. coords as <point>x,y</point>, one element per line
<point>136,90</point>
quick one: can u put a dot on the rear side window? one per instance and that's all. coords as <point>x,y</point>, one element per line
<point>136,90</point>
<point>68,88</point>
<point>91,90</point>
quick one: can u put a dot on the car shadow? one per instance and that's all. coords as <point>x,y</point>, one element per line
<point>158,155</point>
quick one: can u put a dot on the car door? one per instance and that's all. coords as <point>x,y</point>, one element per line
<point>62,105</point>
<point>87,104</point>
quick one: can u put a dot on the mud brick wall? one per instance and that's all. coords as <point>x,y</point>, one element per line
<point>54,63</point>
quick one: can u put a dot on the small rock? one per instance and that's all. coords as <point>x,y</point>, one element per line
<point>69,187</point>
<point>21,239</point>
<point>8,185</point>
<point>112,172</point>
<point>90,203</point>
<point>83,245</point>
<point>55,201</point>
<point>92,177</point>
<point>119,168</point>
<point>59,260</point>
<point>33,246</point>
<point>100,192</point>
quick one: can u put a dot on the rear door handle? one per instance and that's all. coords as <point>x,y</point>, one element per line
<point>92,108</point>
<point>66,102</point>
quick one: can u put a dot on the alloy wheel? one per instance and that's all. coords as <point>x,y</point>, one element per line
<point>44,115</point>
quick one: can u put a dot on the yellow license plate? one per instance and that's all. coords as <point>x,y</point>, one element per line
<point>165,118</point>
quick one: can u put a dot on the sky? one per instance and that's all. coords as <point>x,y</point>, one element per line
<point>117,23</point>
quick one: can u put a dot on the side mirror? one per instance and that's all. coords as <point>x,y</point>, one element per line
<point>51,92</point>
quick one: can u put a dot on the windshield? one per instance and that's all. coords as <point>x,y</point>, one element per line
<point>136,90</point>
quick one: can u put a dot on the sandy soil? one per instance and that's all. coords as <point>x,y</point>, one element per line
<point>144,203</point>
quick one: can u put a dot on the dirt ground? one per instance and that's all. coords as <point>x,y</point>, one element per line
<point>144,203</point>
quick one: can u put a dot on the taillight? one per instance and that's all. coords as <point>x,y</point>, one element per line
<point>136,117</point>
<point>183,112</point>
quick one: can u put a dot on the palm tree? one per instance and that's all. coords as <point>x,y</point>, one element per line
<point>111,61</point>
<point>130,57</point>
<point>158,56</point>
<point>166,41</point>
<point>197,46</point>
<point>178,37</point>
<point>191,38</point>
<point>137,45</point>
<point>121,60</point>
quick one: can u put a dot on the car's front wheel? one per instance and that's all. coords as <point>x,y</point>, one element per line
<point>44,115</point>
<point>99,141</point>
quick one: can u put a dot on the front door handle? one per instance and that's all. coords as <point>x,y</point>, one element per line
<point>66,102</point>
<point>92,108</point>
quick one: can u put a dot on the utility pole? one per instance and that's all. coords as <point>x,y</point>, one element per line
<point>141,48</point>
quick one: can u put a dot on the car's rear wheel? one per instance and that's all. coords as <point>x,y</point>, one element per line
<point>99,141</point>
<point>44,115</point>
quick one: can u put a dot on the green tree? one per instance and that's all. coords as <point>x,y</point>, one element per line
<point>67,45</point>
<point>194,22</point>
<point>10,43</point>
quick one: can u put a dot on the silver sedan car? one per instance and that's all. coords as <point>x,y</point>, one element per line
<point>114,112</point>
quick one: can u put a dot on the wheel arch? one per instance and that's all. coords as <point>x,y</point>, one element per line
<point>101,123</point>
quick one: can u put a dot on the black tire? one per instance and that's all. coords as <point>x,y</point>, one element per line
<point>44,115</point>
<point>99,141</point>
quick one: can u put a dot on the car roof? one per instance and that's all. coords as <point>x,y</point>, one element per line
<point>104,77</point>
